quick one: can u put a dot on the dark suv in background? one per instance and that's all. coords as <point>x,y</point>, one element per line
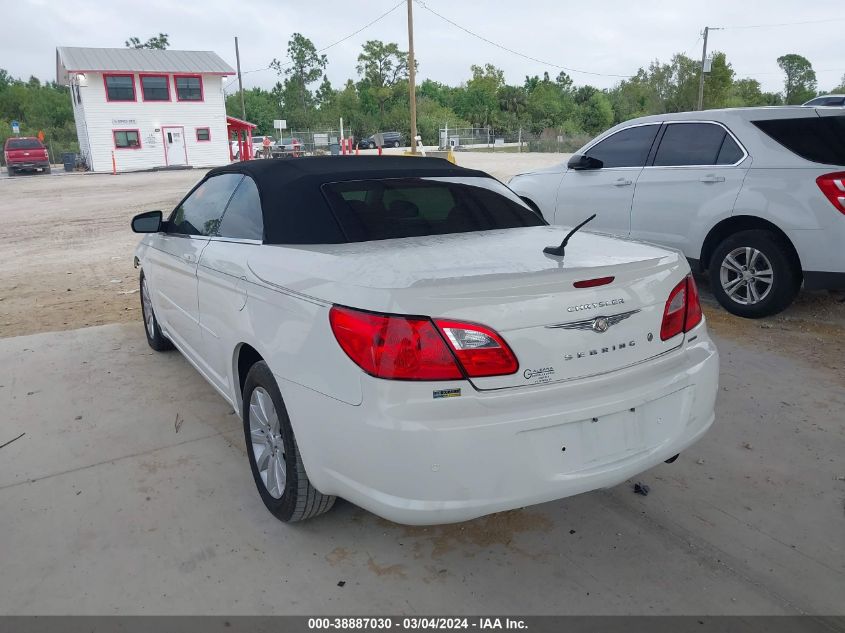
<point>391,139</point>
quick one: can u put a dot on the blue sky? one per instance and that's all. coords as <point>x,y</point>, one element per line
<point>611,37</point>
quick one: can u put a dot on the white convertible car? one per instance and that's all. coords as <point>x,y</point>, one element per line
<point>408,335</point>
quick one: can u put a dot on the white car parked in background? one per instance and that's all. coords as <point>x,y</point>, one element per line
<point>391,331</point>
<point>755,196</point>
<point>827,100</point>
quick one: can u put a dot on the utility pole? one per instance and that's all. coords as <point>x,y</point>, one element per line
<point>412,72</point>
<point>707,30</point>
<point>240,80</point>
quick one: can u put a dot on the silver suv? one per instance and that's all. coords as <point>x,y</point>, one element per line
<point>755,196</point>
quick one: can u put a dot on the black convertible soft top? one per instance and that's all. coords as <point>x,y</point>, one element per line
<point>293,205</point>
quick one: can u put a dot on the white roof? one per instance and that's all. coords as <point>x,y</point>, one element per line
<point>78,59</point>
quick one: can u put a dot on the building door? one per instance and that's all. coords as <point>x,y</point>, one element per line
<point>174,145</point>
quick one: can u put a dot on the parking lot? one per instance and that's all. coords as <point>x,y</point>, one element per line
<point>129,491</point>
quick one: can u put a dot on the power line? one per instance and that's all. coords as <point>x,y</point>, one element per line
<point>765,26</point>
<point>333,44</point>
<point>513,52</point>
<point>780,72</point>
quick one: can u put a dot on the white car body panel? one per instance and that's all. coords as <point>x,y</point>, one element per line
<point>390,446</point>
<point>672,207</point>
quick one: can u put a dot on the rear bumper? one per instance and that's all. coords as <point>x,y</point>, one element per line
<point>38,164</point>
<point>416,459</point>
<point>817,280</point>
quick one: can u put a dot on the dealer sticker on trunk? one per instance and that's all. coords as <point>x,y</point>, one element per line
<point>446,393</point>
<point>539,376</point>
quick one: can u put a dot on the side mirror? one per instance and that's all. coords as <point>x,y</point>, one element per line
<point>582,161</point>
<point>149,222</point>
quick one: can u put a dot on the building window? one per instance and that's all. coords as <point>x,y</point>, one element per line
<point>119,87</point>
<point>189,88</point>
<point>127,139</point>
<point>203,134</point>
<point>155,87</point>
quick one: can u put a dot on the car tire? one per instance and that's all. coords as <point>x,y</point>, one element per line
<point>268,432</point>
<point>155,338</point>
<point>10,171</point>
<point>395,143</point>
<point>754,274</point>
<point>47,170</point>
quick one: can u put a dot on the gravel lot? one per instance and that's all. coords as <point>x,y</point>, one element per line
<point>108,507</point>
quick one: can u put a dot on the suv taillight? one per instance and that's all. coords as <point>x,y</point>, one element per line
<point>683,309</point>
<point>833,187</point>
<point>401,347</point>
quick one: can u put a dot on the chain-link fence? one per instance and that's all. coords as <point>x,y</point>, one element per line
<point>313,142</point>
<point>488,139</point>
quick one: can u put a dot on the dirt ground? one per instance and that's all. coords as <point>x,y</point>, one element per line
<point>66,260</point>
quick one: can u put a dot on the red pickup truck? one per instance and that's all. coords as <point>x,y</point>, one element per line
<point>25,153</point>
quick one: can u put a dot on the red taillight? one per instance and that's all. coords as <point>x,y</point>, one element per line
<point>682,311</point>
<point>411,348</point>
<point>694,315</point>
<point>480,350</point>
<point>833,187</point>
<point>592,283</point>
<point>396,347</point>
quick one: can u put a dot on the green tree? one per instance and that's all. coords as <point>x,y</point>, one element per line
<point>436,91</point>
<point>261,108</point>
<point>745,92</point>
<point>718,82</point>
<point>382,67</point>
<point>478,101</point>
<point>159,42</point>
<point>512,99</point>
<point>305,67</point>
<point>596,114</point>
<point>325,94</point>
<point>800,81</point>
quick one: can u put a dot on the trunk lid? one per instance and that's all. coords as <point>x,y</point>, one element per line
<point>502,279</point>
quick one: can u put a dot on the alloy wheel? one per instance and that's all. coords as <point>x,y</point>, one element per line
<point>746,275</point>
<point>268,446</point>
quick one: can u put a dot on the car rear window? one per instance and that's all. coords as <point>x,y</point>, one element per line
<point>24,143</point>
<point>414,207</point>
<point>817,139</point>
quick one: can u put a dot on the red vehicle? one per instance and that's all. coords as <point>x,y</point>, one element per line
<point>25,153</point>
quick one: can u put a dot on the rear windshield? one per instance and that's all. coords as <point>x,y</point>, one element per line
<point>24,143</point>
<point>413,207</point>
<point>819,139</point>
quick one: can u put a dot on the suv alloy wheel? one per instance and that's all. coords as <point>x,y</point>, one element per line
<point>752,274</point>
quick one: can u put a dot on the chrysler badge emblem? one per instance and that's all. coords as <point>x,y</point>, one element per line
<point>600,325</point>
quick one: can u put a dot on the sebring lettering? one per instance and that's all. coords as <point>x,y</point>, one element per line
<point>600,350</point>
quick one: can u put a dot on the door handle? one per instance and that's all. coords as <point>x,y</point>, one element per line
<point>622,182</point>
<point>189,257</point>
<point>712,178</point>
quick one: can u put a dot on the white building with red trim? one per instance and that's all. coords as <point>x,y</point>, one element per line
<point>144,109</point>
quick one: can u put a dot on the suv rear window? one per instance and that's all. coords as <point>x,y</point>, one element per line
<point>414,207</point>
<point>24,143</point>
<point>818,139</point>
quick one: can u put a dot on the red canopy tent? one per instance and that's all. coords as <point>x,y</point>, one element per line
<point>236,127</point>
